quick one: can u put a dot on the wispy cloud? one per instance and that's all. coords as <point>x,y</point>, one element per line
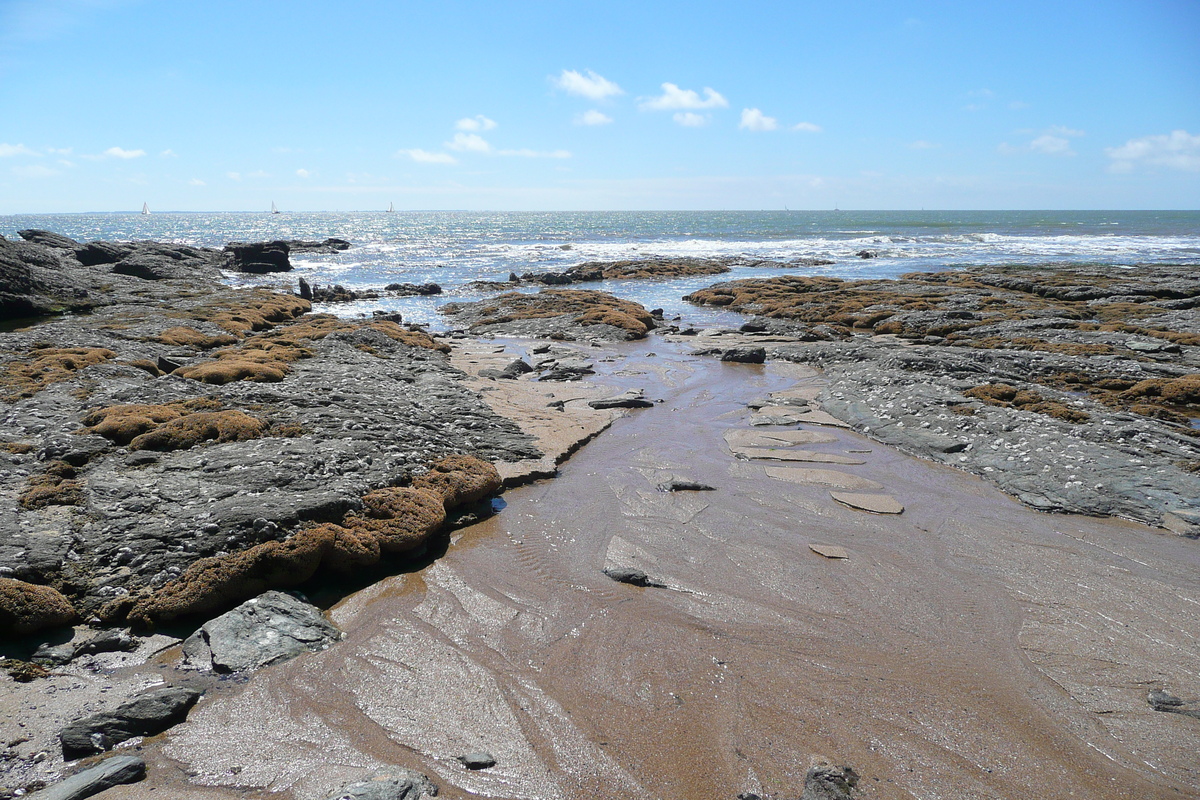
<point>168,153</point>
<point>1175,150</point>
<point>426,157</point>
<point>476,123</point>
<point>303,173</point>
<point>674,98</point>
<point>591,86</point>
<point>469,142</point>
<point>755,120</point>
<point>34,171</point>
<point>690,119</point>
<point>10,150</point>
<point>592,117</point>
<point>196,182</point>
<point>807,127</point>
<point>1054,141</point>
<point>526,153</point>
<point>233,176</point>
<point>121,152</point>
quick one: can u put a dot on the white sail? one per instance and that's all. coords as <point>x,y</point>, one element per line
<point>145,208</point>
<point>274,210</point>
<point>391,207</point>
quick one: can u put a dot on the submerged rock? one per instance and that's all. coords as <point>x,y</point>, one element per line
<point>270,628</point>
<point>827,782</point>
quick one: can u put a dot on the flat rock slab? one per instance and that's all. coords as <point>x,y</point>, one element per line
<point>822,418</point>
<point>829,550</point>
<point>797,396</point>
<point>875,503</point>
<point>145,715</point>
<point>744,438</point>
<point>102,777</point>
<point>788,454</point>
<point>822,477</point>
<point>270,628</point>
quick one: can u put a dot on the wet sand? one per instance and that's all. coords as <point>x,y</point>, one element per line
<point>966,648</point>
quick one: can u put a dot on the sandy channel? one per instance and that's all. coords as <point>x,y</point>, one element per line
<point>966,648</point>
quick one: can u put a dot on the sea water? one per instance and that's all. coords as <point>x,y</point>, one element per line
<point>455,248</point>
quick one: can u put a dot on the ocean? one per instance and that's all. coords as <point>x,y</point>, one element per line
<point>453,248</point>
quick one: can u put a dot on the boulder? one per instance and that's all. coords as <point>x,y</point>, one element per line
<point>745,355</point>
<point>388,784</point>
<point>634,577</point>
<point>27,607</point>
<point>827,782</point>
<point>258,257</point>
<point>268,629</point>
<point>145,715</point>
<point>634,398</point>
<point>94,780</point>
<point>48,239</point>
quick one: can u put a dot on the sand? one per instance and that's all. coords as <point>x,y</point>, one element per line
<point>968,648</point>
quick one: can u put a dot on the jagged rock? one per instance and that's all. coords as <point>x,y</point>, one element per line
<point>270,628</point>
<point>330,245</point>
<point>388,784</point>
<point>259,257</point>
<point>48,239</point>
<point>406,289</point>
<point>634,577</point>
<point>145,715</point>
<point>305,290</point>
<point>564,314</point>
<point>94,780</point>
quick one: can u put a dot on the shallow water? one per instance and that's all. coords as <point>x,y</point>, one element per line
<point>968,648</point>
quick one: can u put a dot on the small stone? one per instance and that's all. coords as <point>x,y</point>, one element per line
<point>634,577</point>
<point>477,760</point>
<point>683,485</point>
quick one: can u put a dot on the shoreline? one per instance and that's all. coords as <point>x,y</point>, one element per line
<point>475,405</point>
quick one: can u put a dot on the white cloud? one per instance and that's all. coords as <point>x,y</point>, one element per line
<point>168,154</point>
<point>675,98</point>
<point>234,176</point>
<point>120,152</point>
<point>592,117</point>
<point>807,127</point>
<point>591,86</point>
<point>34,171</point>
<point>303,173</point>
<point>471,142</point>
<point>1175,150</point>
<point>196,182</point>
<point>60,151</point>
<point>476,123</point>
<point>1063,130</point>
<point>689,119</point>
<point>1051,145</point>
<point>426,157</point>
<point>755,120</point>
<point>526,153</point>
<point>10,150</point>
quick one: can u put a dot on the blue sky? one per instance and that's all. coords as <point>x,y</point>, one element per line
<point>215,106</point>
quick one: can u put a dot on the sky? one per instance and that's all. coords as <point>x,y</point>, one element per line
<point>521,105</point>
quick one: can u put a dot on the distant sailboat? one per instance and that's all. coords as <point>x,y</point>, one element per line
<point>145,208</point>
<point>391,207</point>
<point>274,210</point>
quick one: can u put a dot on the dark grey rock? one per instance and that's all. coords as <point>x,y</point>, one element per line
<point>145,715</point>
<point>634,398</point>
<point>634,577</point>
<point>684,485</point>
<point>516,369</point>
<point>388,784</point>
<point>827,782</point>
<point>477,760</point>
<point>745,355</point>
<point>408,289</point>
<point>270,628</point>
<point>259,257</point>
<point>48,239</point>
<point>94,780</point>
<point>330,245</point>
<point>110,641</point>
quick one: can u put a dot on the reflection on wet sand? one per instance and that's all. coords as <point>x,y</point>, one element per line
<point>967,648</point>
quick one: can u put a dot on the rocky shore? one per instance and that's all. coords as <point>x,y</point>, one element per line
<point>175,451</point>
<point>1075,389</point>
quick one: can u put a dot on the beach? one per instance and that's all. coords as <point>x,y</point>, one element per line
<point>810,595</point>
